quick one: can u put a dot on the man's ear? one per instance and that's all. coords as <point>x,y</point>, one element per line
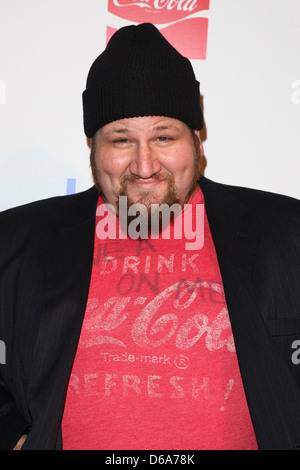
<point>201,149</point>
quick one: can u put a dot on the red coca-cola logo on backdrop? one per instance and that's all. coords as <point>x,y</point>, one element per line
<point>156,11</point>
<point>187,35</point>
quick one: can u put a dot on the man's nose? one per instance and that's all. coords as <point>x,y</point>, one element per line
<point>145,162</point>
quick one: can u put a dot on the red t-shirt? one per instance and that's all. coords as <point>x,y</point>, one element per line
<point>156,366</point>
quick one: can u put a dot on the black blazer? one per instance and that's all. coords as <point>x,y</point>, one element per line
<point>46,258</point>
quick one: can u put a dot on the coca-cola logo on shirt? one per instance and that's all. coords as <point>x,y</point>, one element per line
<point>186,30</point>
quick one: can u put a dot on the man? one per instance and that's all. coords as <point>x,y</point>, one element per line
<point>122,338</point>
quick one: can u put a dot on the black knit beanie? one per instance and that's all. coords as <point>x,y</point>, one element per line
<point>140,74</point>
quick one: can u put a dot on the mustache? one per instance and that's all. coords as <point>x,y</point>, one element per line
<point>155,176</point>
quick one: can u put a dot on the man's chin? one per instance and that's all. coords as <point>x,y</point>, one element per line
<point>147,198</point>
<point>153,213</point>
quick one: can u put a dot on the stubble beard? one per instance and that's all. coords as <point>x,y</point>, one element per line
<point>153,202</point>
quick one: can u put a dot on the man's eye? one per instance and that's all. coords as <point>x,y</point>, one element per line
<point>121,141</point>
<point>163,138</point>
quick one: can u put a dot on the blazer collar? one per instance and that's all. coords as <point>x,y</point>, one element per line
<point>234,228</point>
<point>79,209</point>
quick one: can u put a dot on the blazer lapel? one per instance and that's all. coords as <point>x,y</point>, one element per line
<point>68,253</point>
<point>232,226</point>
<point>272,394</point>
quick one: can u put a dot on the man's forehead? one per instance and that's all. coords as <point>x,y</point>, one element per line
<point>143,123</point>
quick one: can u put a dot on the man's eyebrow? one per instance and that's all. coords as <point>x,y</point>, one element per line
<point>165,128</point>
<point>120,130</point>
<point>117,130</point>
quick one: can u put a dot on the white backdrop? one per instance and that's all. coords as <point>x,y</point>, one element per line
<point>250,83</point>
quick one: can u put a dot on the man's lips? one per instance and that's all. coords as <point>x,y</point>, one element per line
<point>146,183</point>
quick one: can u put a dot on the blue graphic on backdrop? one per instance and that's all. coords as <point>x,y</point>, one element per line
<point>71,185</point>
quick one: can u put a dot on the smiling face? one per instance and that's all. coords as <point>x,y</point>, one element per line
<point>151,160</point>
